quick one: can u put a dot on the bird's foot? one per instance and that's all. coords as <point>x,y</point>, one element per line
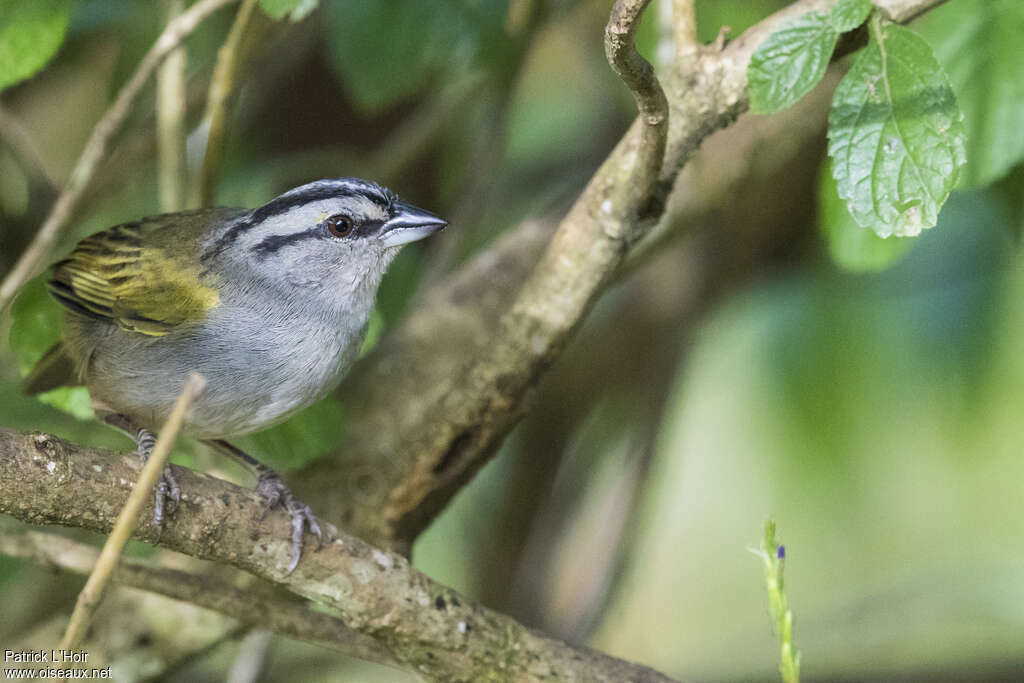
<point>168,493</point>
<point>274,493</point>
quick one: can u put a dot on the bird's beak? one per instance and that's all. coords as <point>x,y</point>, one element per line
<point>409,224</point>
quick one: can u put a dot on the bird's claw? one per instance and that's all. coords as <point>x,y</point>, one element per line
<point>274,493</point>
<point>168,493</point>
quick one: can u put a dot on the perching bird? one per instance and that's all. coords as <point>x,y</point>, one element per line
<point>269,305</point>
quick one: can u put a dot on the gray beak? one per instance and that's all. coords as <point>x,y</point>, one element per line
<point>409,224</point>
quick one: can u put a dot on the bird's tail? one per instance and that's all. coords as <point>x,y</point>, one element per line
<point>54,369</point>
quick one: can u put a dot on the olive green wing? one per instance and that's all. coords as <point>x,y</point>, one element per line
<point>143,276</point>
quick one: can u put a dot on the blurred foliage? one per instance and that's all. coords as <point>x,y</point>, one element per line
<point>873,413</point>
<point>978,44</point>
<point>30,33</point>
<point>873,416</point>
<point>387,51</point>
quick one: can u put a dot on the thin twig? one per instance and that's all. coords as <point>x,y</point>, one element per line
<point>269,609</point>
<point>635,71</point>
<point>222,85</point>
<point>91,595</point>
<point>170,121</point>
<point>39,250</point>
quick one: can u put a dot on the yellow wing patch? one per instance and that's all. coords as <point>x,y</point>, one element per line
<point>114,275</point>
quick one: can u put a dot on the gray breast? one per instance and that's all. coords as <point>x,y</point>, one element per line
<point>260,368</point>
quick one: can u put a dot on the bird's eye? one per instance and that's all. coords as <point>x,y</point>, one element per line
<point>340,225</point>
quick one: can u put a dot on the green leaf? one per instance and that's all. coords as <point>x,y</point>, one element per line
<point>979,44</point>
<point>849,14</point>
<point>851,246</point>
<point>387,50</point>
<point>790,62</point>
<point>73,400</point>
<point>295,10</point>
<point>895,134</point>
<point>30,33</point>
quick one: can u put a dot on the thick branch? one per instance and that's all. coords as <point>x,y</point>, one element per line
<point>44,480</point>
<point>95,150</point>
<point>265,609</point>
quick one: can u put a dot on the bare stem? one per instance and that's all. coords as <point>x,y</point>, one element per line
<point>222,85</point>
<point>31,261</point>
<point>91,595</point>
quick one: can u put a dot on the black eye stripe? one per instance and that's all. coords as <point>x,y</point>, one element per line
<point>270,245</point>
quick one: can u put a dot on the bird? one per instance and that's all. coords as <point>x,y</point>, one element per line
<point>269,305</point>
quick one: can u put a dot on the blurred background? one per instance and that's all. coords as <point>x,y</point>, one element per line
<point>763,358</point>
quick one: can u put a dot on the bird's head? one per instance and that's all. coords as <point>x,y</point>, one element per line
<point>335,237</point>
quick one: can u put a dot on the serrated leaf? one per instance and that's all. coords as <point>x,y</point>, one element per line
<point>895,134</point>
<point>386,50</point>
<point>295,10</point>
<point>979,44</point>
<point>849,14</point>
<point>30,33</point>
<point>852,247</point>
<point>790,62</point>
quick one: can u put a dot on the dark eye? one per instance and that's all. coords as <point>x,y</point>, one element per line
<point>340,225</point>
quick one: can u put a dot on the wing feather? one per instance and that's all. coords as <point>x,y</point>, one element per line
<point>129,275</point>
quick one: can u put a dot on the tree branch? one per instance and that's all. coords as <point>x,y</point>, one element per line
<point>266,609</point>
<point>44,480</point>
<point>437,396</point>
<point>32,260</point>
